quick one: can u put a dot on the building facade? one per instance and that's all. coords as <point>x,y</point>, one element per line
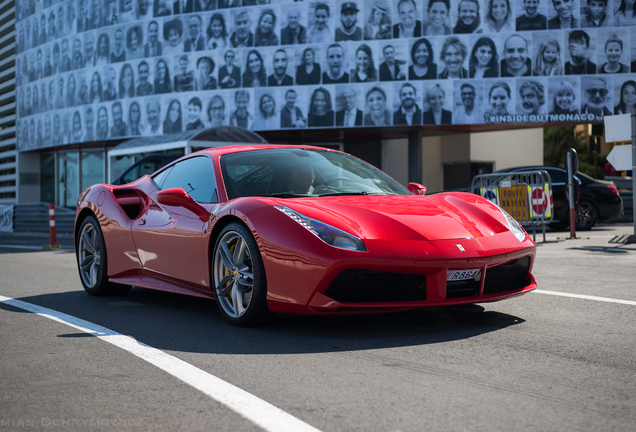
<point>432,91</point>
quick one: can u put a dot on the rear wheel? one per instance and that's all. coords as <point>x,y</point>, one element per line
<point>586,215</point>
<point>92,261</point>
<point>239,281</point>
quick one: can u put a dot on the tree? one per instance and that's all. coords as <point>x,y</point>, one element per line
<point>557,140</point>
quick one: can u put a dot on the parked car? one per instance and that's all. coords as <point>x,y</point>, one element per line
<point>598,199</point>
<point>280,228</point>
<point>143,166</point>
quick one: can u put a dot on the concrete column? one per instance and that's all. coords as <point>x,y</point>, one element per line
<point>415,156</point>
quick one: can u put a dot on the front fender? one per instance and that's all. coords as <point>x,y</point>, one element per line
<point>116,228</point>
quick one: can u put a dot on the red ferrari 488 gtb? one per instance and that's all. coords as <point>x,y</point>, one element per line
<point>285,229</point>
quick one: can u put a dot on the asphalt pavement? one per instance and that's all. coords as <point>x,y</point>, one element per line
<point>562,358</point>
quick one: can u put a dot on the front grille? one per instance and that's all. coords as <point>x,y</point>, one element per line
<point>467,288</point>
<point>510,276</point>
<point>368,286</point>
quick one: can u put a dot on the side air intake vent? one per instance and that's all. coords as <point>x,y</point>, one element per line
<point>130,202</point>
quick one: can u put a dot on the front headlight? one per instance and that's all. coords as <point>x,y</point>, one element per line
<point>514,226</point>
<point>329,234</point>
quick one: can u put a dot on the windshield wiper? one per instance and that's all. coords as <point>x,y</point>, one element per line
<point>276,195</point>
<point>285,195</point>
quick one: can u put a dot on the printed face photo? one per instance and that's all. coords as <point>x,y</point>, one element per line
<point>596,92</point>
<point>293,19</point>
<point>532,96</point>
<point>467,12</point>
<point>349,18</point>
<point>280,62</point>
<point>564,8</point>
<point>242,24</point>
<point>531,7</point>
<point>407,96</point>
<point>468,95</point>
<point>321,17</point>
<point>597,8</point>
<point>91,53</point>
<point>349,98</point>
<point>407,13</point>
<point>516,52</point>
<point>242,103</point>
<point>335,59</point>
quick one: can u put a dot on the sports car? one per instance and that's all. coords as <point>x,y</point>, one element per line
<point>268,229</point>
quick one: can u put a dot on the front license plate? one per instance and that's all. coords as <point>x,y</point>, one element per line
<point>460,275</point>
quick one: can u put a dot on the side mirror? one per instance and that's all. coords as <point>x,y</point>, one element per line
<point>417,189</point>
<point>177,197</point>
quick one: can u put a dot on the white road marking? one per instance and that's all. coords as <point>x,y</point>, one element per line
<point>587,297</point>
<point>259,412</point>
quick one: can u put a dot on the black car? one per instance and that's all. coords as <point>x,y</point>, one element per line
<point>598,199</point>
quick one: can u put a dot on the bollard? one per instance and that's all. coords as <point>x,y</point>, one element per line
<point>53,241</point>
<point>571,166</point>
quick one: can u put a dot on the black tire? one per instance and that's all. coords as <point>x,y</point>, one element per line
<point>586,215</point>
<point>238,277</point>
<point>92,260</point>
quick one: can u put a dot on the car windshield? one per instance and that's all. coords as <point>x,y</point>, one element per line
<point>292,172</point>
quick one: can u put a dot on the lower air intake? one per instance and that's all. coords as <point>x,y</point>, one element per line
<point>460,289</point>
<point>510,276</point>
<point>368,286</point>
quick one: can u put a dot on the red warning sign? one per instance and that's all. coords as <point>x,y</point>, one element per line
<point>539,201</point>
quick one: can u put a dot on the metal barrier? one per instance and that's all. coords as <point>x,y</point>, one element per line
<point>525,195</point>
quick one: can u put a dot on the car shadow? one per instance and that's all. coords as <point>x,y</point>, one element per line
<point>175,322</point>
<point>616,250</point>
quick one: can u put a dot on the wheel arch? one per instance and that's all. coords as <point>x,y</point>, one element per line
<point>216,231</point>
<point>81,216</point>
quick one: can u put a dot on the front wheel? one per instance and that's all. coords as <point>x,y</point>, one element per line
<point>239,280</point>
<point>92,261</point>
<point>586,215</point>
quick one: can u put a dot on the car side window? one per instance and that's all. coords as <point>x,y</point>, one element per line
<point>161,177</point>
<point>557,175</point>
<point>196,177</point>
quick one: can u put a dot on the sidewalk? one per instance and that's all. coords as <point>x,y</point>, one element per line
<point>34,241</point>
<point>601,233</point>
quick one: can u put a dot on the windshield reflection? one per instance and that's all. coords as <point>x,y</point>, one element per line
<point>288,173</point>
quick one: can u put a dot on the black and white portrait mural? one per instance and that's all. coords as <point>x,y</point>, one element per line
<point>90,70</point>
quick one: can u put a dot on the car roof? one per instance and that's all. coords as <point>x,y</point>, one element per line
<point>584,178</point>
<point>239,148</point>
<point>530,168</point>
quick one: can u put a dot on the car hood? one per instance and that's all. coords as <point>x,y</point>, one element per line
<point>406,217</point>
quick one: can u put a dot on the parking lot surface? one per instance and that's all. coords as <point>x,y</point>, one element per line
<point>560,358</point>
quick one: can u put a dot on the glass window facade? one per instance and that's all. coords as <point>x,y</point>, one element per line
<point>92,168</point>
<point>68,178</point>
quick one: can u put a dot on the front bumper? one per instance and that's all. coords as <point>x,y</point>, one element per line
<point>402,275</point>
